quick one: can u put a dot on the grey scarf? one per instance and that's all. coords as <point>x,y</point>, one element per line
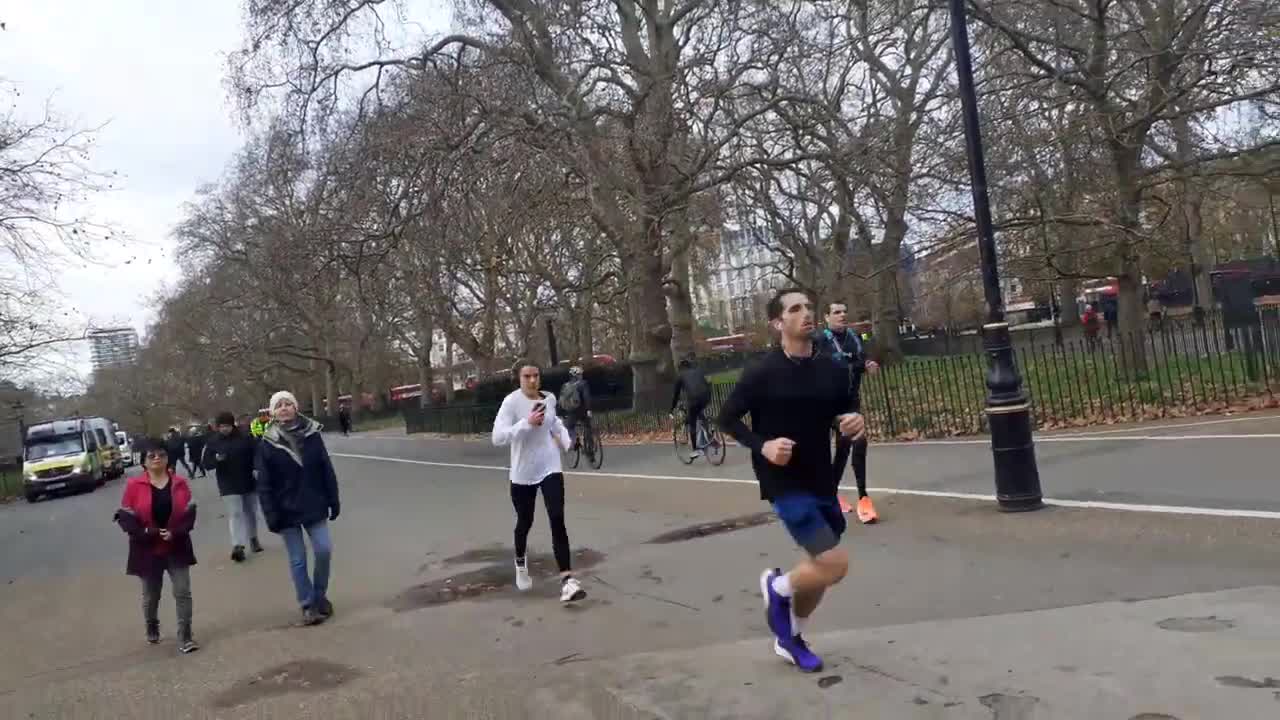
<point>289,438</point>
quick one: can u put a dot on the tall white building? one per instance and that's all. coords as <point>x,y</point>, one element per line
<point>113,347</point>
<point>741,280</point>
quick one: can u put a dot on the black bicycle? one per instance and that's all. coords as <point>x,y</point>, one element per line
<point>710,439</point>
<point>586,442</point>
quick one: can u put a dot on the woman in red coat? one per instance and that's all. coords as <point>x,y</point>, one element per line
<point>158,515</point>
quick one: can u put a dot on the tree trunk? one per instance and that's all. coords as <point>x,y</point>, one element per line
<point>679,302</point>
<point>448,373</point>
<point>1067,293</point>
<point>1129,275</point>
<point>1193,219</point>
<point>650,329</point>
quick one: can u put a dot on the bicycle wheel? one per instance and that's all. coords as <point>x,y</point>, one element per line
<point>716,449</point>
<point>575,454</point>
<point>680,439</point>
<point>597,451</point>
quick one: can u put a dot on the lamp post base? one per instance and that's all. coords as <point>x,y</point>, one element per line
<point>1009,419</point>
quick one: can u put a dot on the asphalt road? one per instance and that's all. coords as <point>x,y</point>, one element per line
<point>1217,462</point>
<point>422,571</point>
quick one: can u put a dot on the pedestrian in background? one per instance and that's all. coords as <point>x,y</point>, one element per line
<point>230,454</point>
<point>158,514</point>
<point>195,451</point>
<point>298,490</point>
<point>176,450</point>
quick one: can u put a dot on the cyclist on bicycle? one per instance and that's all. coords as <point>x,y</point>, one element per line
<point>575,399</point>
<point>697,392</point>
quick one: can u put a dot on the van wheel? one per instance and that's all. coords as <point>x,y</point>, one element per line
<point>32,497</point>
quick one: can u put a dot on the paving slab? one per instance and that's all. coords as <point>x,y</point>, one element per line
<point>1191,657</point>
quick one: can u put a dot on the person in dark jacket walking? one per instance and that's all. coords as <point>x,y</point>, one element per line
<point>176,450</point>
<point>230,453</point>
<point>344,419</point>
<point>195,451</point>
<point>158,515</point>
<point>298,490</point>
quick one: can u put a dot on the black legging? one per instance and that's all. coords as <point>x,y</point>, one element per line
<point>525,499</point>
<point>858,448</point>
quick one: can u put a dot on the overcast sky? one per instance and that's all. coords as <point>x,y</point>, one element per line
<point>152,71</point>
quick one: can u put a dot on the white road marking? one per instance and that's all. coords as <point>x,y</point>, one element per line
<point>1084,504</point>
<point>1084,439</point>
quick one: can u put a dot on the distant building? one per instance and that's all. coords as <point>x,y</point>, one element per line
<point>113,347</point>
<point>740,282</point>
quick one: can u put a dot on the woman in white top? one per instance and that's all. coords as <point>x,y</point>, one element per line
<point>527,422</point>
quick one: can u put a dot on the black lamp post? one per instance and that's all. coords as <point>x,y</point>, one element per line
<point>1008,408</point>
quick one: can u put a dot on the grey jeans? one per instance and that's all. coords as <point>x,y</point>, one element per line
<point>242,515</point>
<point>180,578</point>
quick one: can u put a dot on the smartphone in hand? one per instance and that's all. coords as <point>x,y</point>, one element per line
<point>540,407</point>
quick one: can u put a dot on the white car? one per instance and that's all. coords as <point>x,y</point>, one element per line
<point>126,447</point>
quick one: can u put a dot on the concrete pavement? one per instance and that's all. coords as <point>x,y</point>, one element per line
<point>428,624</point>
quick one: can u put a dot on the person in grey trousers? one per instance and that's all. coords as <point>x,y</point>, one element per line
<point>230,453</point>
<point>158,514</point>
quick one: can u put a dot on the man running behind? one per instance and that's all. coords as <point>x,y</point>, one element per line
<point>842,344</point>
<point>697,393</point>
<point>794,396</point>
<point>527,422</point>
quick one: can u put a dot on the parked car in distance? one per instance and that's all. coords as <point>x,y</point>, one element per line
<point>125,444</point>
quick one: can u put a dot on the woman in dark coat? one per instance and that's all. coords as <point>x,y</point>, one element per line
<point>158,514</point>
<point>298,491</point>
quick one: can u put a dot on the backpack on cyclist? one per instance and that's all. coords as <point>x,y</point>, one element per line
<point>569,396</point>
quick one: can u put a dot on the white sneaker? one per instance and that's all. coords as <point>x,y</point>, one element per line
<point>570,591</point>
<point>523,581</point>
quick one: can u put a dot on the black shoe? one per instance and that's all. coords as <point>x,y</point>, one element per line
<point>325,608</point>
<point>311,617</point>
<point>153,633</point>
<point>237,554</point>
<point>254,545</point>
<point>186,643</point>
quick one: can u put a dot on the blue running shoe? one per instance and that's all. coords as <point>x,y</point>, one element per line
<point>796,651</point>
<point>777,609</point>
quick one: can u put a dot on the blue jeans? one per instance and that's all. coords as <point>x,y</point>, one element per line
<point>310,590</point>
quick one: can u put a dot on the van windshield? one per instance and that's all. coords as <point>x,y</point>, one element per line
<point>55,446</point>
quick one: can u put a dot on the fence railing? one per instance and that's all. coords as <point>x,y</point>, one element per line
<point>1172,371</point>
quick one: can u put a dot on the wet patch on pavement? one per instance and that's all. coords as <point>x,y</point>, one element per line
<point>305,676</point>
<point>1236,681</point>
<point>497,579</point>
<point>828,681</point>
<point>708,529</point>
<point>1153,716</point>
<point>1009,707</point>
<point>1210,623</point>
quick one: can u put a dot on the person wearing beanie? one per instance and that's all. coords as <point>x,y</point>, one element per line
<point>298,490</point>
<point>230,454</point>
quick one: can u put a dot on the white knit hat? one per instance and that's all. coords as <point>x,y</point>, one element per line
<point>281,396</point>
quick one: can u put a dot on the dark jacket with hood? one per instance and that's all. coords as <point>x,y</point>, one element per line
<point>235,470</point>
<point>148,553</point>
<point>296,481</point>
<point>175,447</point>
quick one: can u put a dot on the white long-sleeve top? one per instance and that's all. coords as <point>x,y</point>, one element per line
<point>534,454</point>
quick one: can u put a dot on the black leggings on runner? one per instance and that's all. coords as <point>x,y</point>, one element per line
<point>525,500</point>
<point>858,449</point>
